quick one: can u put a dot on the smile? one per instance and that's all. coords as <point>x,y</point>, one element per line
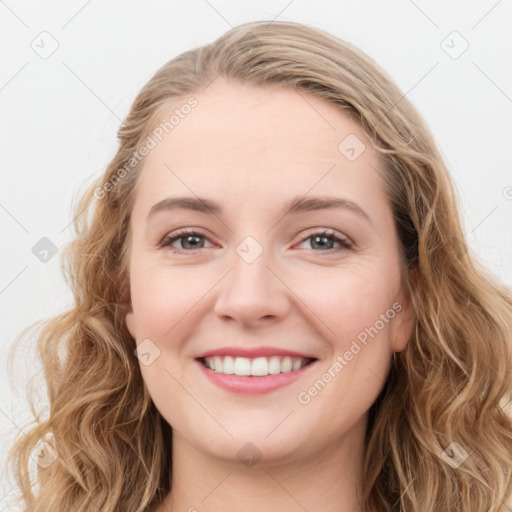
<point>256,375</point>
<point>254,367</point>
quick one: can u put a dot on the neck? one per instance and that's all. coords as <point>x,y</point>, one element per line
<point>330,480</point>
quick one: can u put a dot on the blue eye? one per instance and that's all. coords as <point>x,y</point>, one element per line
<point>192,239</point>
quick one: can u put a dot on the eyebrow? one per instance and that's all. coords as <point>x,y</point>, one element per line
<point>298,204</point>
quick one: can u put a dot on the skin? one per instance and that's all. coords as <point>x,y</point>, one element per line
<point>252,149</point>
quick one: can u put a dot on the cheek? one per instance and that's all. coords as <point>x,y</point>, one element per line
<point>163,297</point>
<point>360,315</point>
<point>349,300</point>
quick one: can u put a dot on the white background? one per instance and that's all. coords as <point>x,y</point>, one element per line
<point>59,118</point>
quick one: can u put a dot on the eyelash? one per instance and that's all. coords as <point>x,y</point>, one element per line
<point>344,242</point>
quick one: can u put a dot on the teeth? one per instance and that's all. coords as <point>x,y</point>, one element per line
<point>274,365</point>
<point>257,367</point>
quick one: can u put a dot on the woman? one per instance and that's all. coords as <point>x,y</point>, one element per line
<point>275,305</point>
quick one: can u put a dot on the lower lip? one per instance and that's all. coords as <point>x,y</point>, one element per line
<point>250,384</point>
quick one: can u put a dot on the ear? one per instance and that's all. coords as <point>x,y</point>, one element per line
<point>130,322</point>
<point>126,302</point>
<point>406,318</point>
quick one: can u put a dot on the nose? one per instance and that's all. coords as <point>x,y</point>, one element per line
<point>252,293</point>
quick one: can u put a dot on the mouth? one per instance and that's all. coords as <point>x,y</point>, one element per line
<point>255,367</point>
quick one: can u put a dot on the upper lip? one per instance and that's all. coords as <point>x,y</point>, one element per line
<point>253,352</point>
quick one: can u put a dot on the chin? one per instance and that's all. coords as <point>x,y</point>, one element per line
<point>260,442</point>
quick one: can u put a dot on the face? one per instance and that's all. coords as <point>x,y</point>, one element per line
<point>257,287</point>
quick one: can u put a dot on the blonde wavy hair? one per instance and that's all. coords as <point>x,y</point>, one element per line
<point>450,385</point>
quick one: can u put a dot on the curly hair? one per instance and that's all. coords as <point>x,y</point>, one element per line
<point>446,392</point>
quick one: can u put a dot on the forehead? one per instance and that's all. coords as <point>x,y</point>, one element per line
<point>242,137</point>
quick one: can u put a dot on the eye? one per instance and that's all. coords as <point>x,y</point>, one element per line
<point>321,239</point>
<point>191,240</point>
